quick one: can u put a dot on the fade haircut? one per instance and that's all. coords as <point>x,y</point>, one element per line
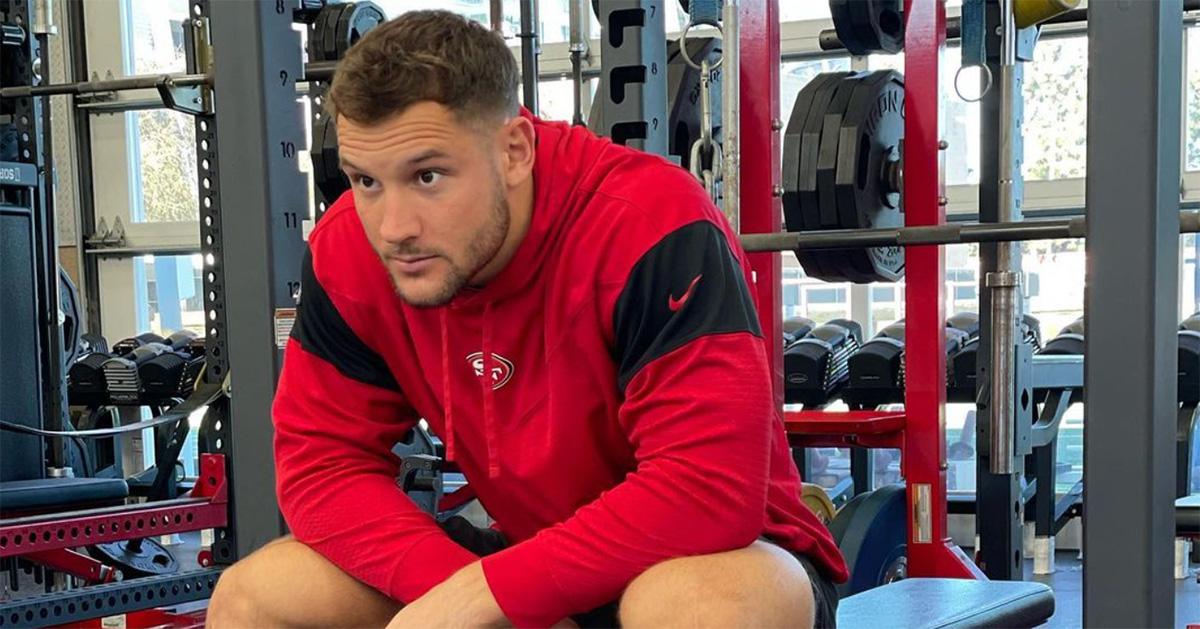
<point>420,56</point>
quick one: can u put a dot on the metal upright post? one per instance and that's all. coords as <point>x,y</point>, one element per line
<point>1133,170</point>
<point>633,83</point>
<point>89,269</point>
<point>578,48</point>
<point>760,208</point>
<point>529,54</point>
<point>930,550</point>
<point>262,193</point>
<point>998,483</point>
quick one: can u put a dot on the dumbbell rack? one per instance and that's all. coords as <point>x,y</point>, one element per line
<point>919,431</point>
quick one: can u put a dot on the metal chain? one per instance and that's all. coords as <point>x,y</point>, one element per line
<point>706,155</point>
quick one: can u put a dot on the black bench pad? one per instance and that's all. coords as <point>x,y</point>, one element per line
<point>1187,515</point>
<point>44,493</point>
<point>958,603</point>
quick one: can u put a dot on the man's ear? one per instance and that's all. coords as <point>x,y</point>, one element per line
<point>517,145</point>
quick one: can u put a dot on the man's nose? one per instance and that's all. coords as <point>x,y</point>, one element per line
<point>400,223</point>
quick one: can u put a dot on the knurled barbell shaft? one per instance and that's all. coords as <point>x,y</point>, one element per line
<point>949,234</point>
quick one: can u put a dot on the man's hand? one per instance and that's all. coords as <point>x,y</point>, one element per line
<point>463,600</point>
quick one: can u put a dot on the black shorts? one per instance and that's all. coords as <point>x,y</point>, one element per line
<point>484,542</point>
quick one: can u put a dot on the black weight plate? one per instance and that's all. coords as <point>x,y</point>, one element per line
<point>874,537</point>
<point>841,521</point>
<point>793,218</point>
<point>793,214</point>
<point>870,136</point>
<point>826,175</point>
<point>323,37</point>
<point>860,20</point>
<point>327,173</point>
<point>357,20</point>
<point>857,259</point>
<point>829,261</point>
<point>134,560</point>
<point>844,25</point>
<point>887,22</point>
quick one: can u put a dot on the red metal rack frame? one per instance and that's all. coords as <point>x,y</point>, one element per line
<point>205,507</point>
<point>920,431</point>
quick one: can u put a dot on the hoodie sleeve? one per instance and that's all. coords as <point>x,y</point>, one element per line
<point>697,409</point>
<point>338,412</point>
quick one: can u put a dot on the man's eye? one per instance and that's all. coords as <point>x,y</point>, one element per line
<point>428,177</point>
<point>362,181</point>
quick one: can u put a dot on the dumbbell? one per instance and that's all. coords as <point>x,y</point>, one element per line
<point>968,322</point>
<point>815,367</point>
<point>877,369</point>
<point>962,363</point>
<point>121,373</point>
<point>1189,360</point>
<point>1069,341</point>
<point>172,374</point>
<point>796,328</point>
<point>125,346</point>
<point>86,385</point>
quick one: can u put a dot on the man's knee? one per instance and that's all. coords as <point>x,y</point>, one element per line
<point>239,600</point>
<point>232,603</point>
<point>760,585</point>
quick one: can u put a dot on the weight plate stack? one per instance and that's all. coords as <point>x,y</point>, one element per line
<point>357,20</point>
<point>795,215</point>
<point>841,155</point>
<point>327,174</point>
<point>339,26</point>
<point>827,153</point>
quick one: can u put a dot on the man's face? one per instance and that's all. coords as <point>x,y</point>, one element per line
<point>430,194</point>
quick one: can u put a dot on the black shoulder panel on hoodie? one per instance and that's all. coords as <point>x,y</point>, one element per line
<point>322,331</point>
<point>687,286</point>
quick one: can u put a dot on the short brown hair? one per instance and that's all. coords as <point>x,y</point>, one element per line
<point>434,56</point>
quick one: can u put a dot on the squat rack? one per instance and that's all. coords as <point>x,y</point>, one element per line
<point>1132,246</point>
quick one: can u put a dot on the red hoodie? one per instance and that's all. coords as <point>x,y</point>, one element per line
<point>627,417</point>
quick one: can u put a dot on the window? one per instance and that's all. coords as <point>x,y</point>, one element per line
<point>163,169</point>
<point>825,295</point>
<point>170,294</point>
<point>1055,132</point>
<point>883,293</point>
<point>803,11</point>
<point>556,98</point>
<point>1189,285</point>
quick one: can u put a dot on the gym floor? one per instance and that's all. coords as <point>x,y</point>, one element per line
<point>1067,583</point>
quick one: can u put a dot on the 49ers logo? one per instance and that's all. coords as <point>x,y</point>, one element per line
<point>502,368</point>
